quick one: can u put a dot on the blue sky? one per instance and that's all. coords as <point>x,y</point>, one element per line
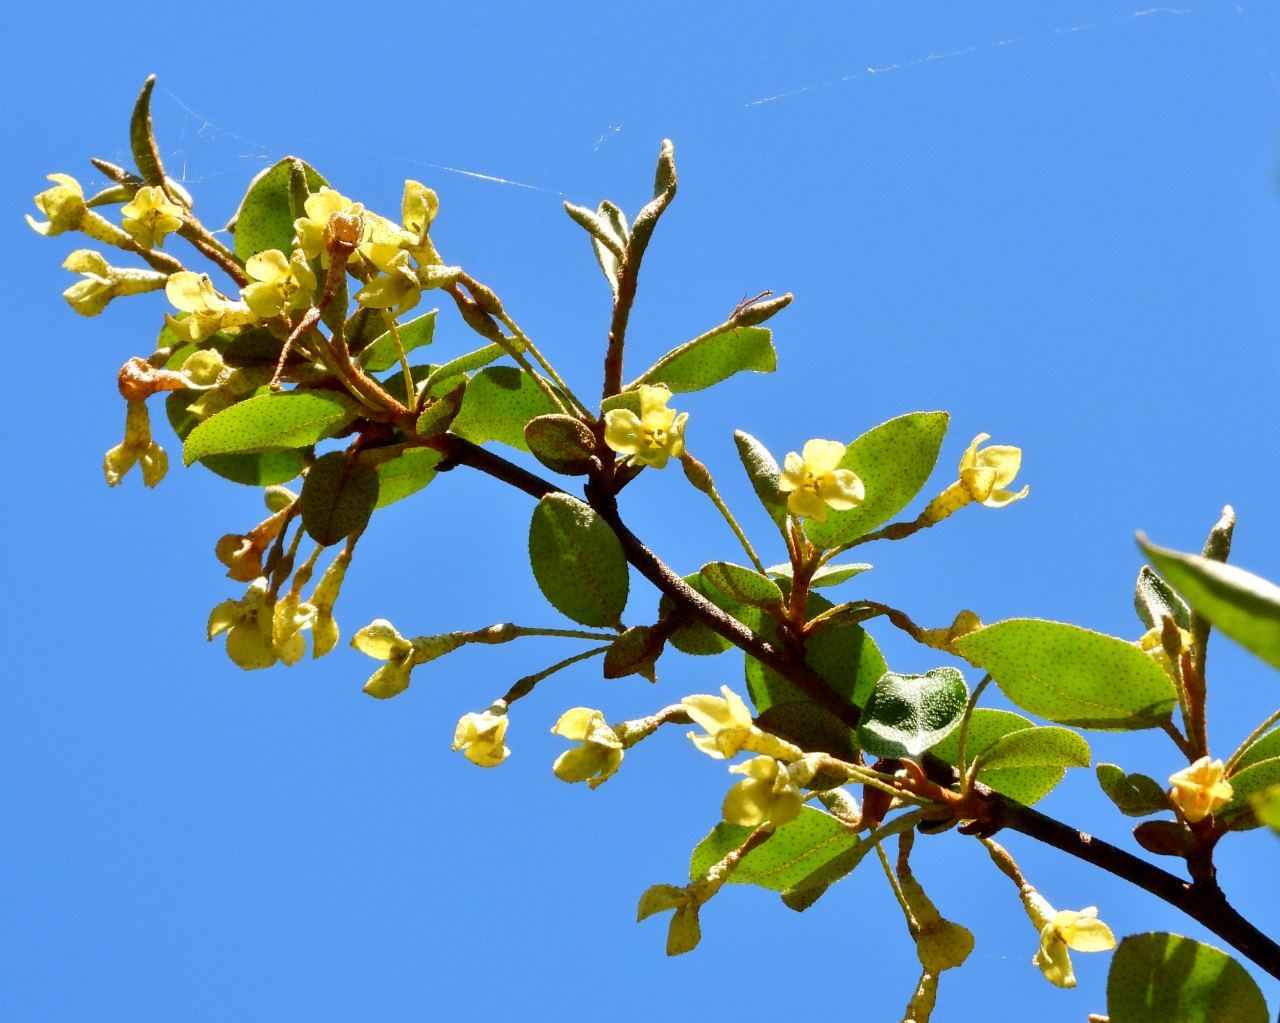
<point>1059,222</point>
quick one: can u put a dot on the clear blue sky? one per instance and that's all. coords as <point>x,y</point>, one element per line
<point>1060,222</point>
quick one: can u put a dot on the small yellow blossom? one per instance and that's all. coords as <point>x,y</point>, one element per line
<point>1062,931</point>
<point>814,482</point>
<point>1200,790</point>
<point>311,230</point>
<point>396,288</point>
<point>770,792</point>
<point>941,944</point>
<point>253,640</point>
<point>324,630</point>
<point>652,437</point>
<point>480,737</point>
<point>731,729</point>
<point>208,311</point>
<point>685,931</point>
<point>150,216</point>
<point>380,640</point>
<point>983,475</point>
<point>600,752</point>
<point>1152,643</point>
<point>281,284</point>
<point>100,282</point>
<point>65,207</point>
<point>137,448</point>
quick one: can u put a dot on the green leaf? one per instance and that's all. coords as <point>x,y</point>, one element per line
<point>1238,814</point>
<point>562,443</point>
<point>266,469</point>
<point>1155,600</point>
<point>287,419</point>
<point>894,460</point>
<point>382,353</point>
<point>1135,795</point>
<point>338,497</point>
<point>743,585</point>
<point>845,656</point>
<point>909,714</point>
<point>142,138</point>
<point>498,405</point>
<point>695,638</point>
<point>633,653</point>
<point>264,219</point>
<point>1266,807</point>
<point>1037,747</point>
<point>1071,675</point>
<point>1166,978</point>
<point>711,358</point>
<point>577,561</point>
<point>1264,747</point>
<point>812,728</point>
<point>764,474</point>
<point>792,854</point>
<point>467,363</point>
<point>406,474</point>
<point>827,575</point>
<point>806,891</point>
<point>987,726</point>
<point>441,413</point>
<point>1239,604</point>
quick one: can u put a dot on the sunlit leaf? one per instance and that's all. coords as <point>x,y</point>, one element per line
<point>1166,978</point>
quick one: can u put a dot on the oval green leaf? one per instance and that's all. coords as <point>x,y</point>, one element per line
<point>695,638</point>
<point>441,412</point>
<point>794,852</point>
<point>1238,815</point>
<point>288,419</point>
<point>1135,795</point>
<point>265,218</point>
<point>909,714</point>
<point>987,726</point>
<point>498,405</point>
<point>1163,978</point>
<point>338,496</point>
<point>744,585</point>
<point>577,561</point>
<point>711,358</point>
<point>265,469</point>
<point>1071,675</point>
<point>1036,747</point>
<point>1239,604</point>
<point>383,352</point>
<point>827,575</point>
<point>1264,747</point>
<point>562,443</point>
<point>406,474</point>
<point>894,460</point>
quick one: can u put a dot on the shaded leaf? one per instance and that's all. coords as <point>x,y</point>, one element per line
<point>498,405</point>
<point>1155,600</point>
<point>987,726</point>
<point>909,714</point>
<point>793,853</point>
<point>1164,838</point>
<point>764,474</point>
<point>894,460</point>
<point>406,474</point>
<point>711,358</point>
<point>338,496</point>
<point>697,639</point>
<point>441,413</point>
<point>264,219</point>
<point>287,419</point>
<point>1163,978</point>
<point>1071,675</point>
<point>743,585</point>
<point>1239,604</point>
<point>1135,795</point>
<point>562,443</point>
<point>577,561</point>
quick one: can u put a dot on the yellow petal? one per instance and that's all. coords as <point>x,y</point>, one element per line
<point>823,455</point>
<point>622,431</point>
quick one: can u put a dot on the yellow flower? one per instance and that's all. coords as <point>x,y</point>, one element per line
<point>384,239</point>
<point>379,639</point>
<point>396,288</point>
<point>813,481</point>
<point>137,448</point>
<point>769,793</point>
<point>281,284</point>
<point>940,943</point>
<point>311,230</point>
<point>289,617</point>
<point>652,437</point>
<point>1061,931</point>
<point>1152,643</point>
<point>100,282</point>
<point>208,311</point>
<point>480,737</point>
<point>324,630</point>
<point>727,720</point>
<point>1200,790</point>
<point>63,204</point>
<point>251,632</point>
<point>984,473</point>
<point>685,932</point>
<point>151,216</point>
<point>600,752</point>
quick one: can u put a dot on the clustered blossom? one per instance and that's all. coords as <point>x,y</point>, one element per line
<point>770,793</point>
<point>281,283</point>
<point>730,728</point>
<point>1061,931</point>
<point>262,629</point>
<point>983,476</point>
<point>600,751</point>
<point>137,448</point>
<point>813,481</point>
<point>380,640</point>
<point>653,437</point>
<point>207,310</point>
<point>1200,790</point>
